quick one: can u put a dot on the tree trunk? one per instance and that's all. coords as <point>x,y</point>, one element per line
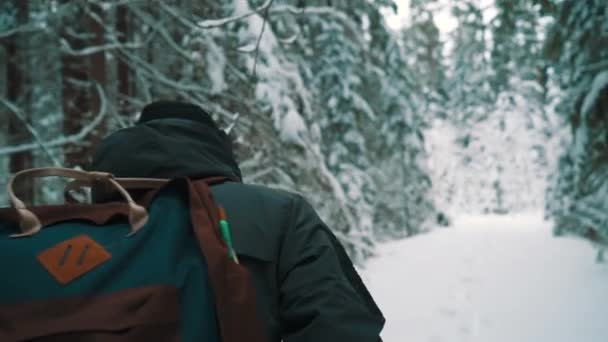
<point>126,84</point>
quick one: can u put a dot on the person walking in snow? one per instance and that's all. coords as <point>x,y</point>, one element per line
<point>307,289</point>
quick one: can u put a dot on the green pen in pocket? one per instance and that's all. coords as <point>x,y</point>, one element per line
<point>225,230</point>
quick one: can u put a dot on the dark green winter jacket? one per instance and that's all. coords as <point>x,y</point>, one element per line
<point>307,289</point>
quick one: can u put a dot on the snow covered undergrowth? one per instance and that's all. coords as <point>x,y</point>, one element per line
<point>491,279</point>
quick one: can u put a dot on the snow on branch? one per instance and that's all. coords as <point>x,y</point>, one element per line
<point>209,23</point>
<point>600,82</point>
<point>164,34</point>
<point>46,146</point>
<point>21,29</point>
<point>188,23</point>
<point>67,49</point>
<point>323,10</point>
<point>213,23</point>
<point>233,123</point>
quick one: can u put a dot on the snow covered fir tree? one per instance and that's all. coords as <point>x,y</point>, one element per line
<point>578,65</point>
<point>386,131</point>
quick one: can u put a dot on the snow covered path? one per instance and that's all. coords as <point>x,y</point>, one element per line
<point>491,279</point>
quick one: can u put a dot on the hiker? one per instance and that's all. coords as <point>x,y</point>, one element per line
<point>307,289</point>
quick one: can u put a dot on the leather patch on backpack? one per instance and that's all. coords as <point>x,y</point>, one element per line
<point>73,258</point>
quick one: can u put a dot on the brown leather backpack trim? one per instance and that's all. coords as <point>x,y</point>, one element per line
<point>98,213</point>
<point>52,214</point>
<point>140,314</point>
<point>234,291</point>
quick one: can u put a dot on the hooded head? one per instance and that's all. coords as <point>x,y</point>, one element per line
<point>171,139</point>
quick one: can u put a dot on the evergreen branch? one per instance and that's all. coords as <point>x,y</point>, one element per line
<point>326,11</point>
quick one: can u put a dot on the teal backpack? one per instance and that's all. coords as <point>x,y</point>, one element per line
<point>119,271</point>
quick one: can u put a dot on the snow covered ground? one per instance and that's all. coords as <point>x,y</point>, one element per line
<point>491,279</point>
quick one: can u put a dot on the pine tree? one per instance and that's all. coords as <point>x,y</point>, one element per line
<point>579,64</point>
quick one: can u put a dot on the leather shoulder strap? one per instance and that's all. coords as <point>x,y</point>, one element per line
<point>232,285</point>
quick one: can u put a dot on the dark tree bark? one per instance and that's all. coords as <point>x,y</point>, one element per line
<point>97,62</point>
<point>126,84</point>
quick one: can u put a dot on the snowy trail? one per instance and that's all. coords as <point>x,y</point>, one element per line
<point>491,279</point>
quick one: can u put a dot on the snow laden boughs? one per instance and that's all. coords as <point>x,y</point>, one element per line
<point>316,95</point>
<point>576,52</point>
<point>496,165</point>
<point>367,113</point>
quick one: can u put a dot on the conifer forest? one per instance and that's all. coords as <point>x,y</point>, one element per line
<point>389,131</point>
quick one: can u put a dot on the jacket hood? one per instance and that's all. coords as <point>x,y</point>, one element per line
<point>167,148</point>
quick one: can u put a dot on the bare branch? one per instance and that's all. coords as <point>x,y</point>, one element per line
<point>158,76</point>
<point>188,23</point>
<point>257,45</point>
<point>20,29</point>
<point>235,119</point>
<point>164,34</point>
<point>63,140</point>
<point>67,49</point>
<point>211,23</point>
<point>39,142</point>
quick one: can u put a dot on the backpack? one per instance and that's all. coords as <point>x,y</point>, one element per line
<point>155,270</point>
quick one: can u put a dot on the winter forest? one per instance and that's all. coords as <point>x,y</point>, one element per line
<point>492,107</point>
<point>385,131</point>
